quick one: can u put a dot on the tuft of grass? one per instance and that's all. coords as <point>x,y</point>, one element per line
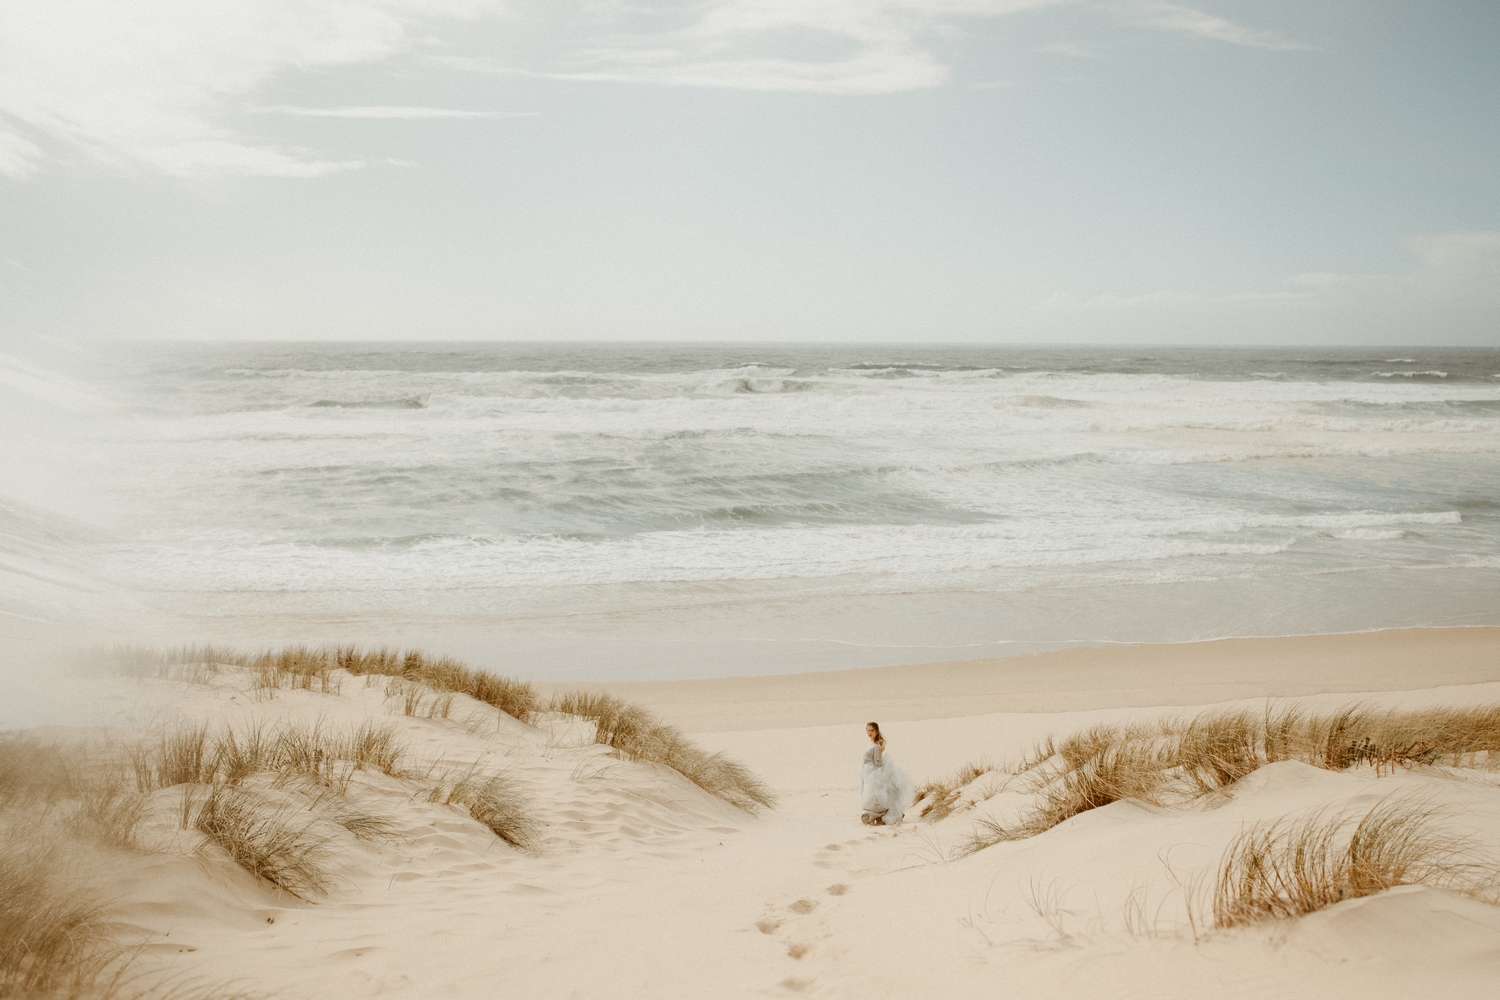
<point>241,754</point>
<point>296,668</point>
<point>306,668</point>
<point>374,745</point>
<point>944,792</point>
<point>33,772</point>
<point>51,938</point>
<point>1289,868</point>
<point>109,811</point>
<point>1180,760</point>
<point>515,698</point>
<point>417,699</point>
<point>198,755</point>
<point>1114,771</point>
<point>490,798</point>
<point>265,841</point>
<point>638,735</point>
<point>194,664</point>
<point>1216,749</point>
<point>182,756</point>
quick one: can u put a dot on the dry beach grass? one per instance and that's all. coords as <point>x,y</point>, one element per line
<point>391,827</point>
<point>1290,867</point>
<point>424,684</point>
<point>1182,760</point>
<point>638,735</point>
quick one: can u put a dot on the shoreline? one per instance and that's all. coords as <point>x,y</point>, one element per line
<point>1079,678</point>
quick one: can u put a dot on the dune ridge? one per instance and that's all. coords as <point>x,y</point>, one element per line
<point>275,824</point>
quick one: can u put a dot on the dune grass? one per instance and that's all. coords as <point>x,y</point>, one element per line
<point>639,735</point>
<point>52,941</point>
<point>307,668</point>
<point>1292,867</point>
<point>515,698</point>
<point>201,755</point>
<point>318,755</point>
<point>490,798</point>
<point>943,792</point>
<point>271,796</point>
<point>194,664</point>
<point>1180,760</point>
<point>266,840</point>
<point>32,771</point>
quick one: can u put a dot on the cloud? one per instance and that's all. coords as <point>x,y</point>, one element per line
<point>401,112</point>
<point>1174,17</point>
<point>159,84</point>
<point>816,46</point>
<point>148,82</point>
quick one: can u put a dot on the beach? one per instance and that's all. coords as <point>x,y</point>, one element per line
<point>409,671</point>
<point>635,882</point>
<point>737,499</point>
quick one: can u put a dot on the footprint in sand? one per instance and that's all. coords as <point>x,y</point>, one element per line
<point>831,856</point>
<point>803,906</point>
<point>838,889</point>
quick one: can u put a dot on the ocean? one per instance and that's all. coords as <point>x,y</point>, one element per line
<point>663,510</point>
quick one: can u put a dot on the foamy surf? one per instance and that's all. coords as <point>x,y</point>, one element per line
<point>481,479</point>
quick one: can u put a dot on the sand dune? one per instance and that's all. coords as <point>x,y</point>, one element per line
<point>638,883</point>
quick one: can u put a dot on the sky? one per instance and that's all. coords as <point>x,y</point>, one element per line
<point>1039,171</point>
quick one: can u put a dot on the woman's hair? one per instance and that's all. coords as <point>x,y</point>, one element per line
<point>878,737</point>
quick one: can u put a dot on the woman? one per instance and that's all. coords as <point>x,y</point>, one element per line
<point>884,788</point>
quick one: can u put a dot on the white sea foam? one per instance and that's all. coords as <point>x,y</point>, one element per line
<point>299,469</point>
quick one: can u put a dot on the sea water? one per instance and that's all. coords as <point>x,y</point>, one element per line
<point>690,510</point>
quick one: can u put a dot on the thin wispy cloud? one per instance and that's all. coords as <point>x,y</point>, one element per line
<point>163,85</point>
<point>149,83</point>
<point>1175,17</point>
<point>812,46</point>
<point>400,112</point>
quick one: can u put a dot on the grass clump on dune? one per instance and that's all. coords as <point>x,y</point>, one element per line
<point>194,664</point>
<point>515,698</point>
<point>266,841</point>
<point>1177,761</point>
<point>199,755</point>
<point>53,941</point>
<point>639,735</point>
<point>491,799</point>
<point>942,794</point>
<point>51,937</point>
<point>259,833</point>
<point>307,668</point>
<point>1292,867</point>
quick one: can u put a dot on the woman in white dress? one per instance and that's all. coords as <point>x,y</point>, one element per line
<point>885,790</point>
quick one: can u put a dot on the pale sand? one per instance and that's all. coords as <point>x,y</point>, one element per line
<point>1070,680</point>
<point>643,886</point>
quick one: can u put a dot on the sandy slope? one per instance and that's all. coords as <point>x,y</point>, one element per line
<point>644,886</point>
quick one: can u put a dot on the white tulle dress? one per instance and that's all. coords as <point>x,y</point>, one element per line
<point>885,790</point>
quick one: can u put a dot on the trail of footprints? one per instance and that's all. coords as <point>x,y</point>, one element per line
<point>794,924</point>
